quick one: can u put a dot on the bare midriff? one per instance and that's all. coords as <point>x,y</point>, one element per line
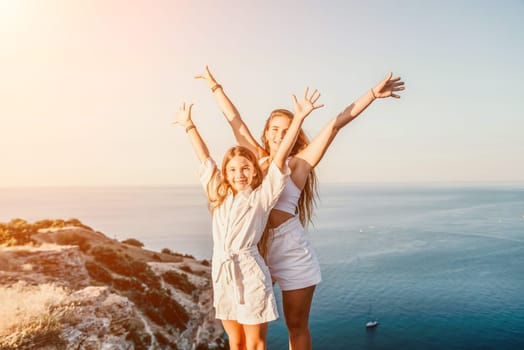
<point>278,217</point>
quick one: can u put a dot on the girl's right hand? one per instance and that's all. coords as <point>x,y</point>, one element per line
<point>307,105</point>
<point>211,81</point>
<point>183,115</point>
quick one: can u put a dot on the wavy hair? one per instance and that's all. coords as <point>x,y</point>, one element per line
<point>309,193</point>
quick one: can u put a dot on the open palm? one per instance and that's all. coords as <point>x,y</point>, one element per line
<point>307,104</point>
<point>183,115</point>
<point>388,87</point>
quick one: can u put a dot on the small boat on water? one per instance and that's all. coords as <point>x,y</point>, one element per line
<point>372,324</point>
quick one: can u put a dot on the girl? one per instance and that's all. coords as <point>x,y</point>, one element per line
<point>291,261</point>
<point>240,200</point>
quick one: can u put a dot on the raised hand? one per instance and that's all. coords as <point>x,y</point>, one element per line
<point>307,104</point>
<point>388,86</point>
<point>183,115</point>
<point>211,81</point>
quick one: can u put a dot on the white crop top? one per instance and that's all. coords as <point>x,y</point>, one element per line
<point>289,197</point>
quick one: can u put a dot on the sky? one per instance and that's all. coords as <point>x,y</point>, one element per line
<point>88,88</point>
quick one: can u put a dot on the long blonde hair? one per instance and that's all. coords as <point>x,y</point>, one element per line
<point>309,193</point>
<point>222,189</point>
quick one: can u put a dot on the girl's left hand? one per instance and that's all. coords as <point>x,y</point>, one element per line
<point>388,86</point>
<point>304,107</point>
<point>183,115</point>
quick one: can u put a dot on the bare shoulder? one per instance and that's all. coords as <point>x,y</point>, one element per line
<point>300,170</point>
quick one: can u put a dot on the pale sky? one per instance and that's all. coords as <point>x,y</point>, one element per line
<point>88,88</point>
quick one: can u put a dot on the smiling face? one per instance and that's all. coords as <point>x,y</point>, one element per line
<point>275,131</point>
<point>276,128</point>
<point>240,173</point>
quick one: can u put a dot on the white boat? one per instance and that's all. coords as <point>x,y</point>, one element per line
<point>372,324</point>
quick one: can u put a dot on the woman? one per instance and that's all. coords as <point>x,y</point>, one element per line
<point>291,261</point>
<point>240,199</point>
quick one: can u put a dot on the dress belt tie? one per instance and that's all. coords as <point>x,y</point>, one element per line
<point>229,264</point>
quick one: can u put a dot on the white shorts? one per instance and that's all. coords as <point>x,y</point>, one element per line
<point>291,261</point>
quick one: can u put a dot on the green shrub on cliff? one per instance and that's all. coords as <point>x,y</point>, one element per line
<point>161,308</point>
<point>133,242</point>
<point>59,223</point>
<point>123,264</point>
<point>98,272</point>
<point>179,281</point>
<point>16,232</point>
<point>19,231</point>
<point>73,238</point>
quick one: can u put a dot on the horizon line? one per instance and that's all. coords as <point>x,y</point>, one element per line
<point>443,182</point>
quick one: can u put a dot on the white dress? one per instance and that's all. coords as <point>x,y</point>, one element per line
<point>242,288</point>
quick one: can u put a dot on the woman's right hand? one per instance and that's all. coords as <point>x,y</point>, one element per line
<point>183,115</point>
<point>211,81</point>
<point>388,87</point>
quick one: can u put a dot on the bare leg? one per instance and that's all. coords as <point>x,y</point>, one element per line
<point>256,336</point>
<point>296,304</point>
<point>235,332</point>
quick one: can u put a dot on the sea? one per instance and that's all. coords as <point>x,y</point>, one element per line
<point>440,266</point>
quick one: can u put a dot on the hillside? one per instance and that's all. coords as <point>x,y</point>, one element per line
<point>66,286</point>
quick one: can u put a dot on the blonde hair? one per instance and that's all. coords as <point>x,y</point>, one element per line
<point>309,193</point>
<point>222,189</point>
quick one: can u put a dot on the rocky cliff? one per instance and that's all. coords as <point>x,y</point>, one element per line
<point>69,287</point>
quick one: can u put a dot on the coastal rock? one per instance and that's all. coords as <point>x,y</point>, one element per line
<point>62,265</point>
<point>99,319</point>
<point>102,294</point>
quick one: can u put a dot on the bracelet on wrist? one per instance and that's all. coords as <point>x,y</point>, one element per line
<point>373,93</point>
<point>216,86</point>
<point>192,126</point>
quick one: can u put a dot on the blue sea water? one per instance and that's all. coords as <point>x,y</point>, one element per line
<point>440,266</point>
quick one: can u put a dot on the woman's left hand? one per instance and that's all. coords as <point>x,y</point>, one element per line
<point>304,107</point>
<point>388,86</point>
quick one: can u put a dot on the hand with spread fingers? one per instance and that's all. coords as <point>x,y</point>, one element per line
<point>183,115</point>
<point>388,87</point>
<point>307,105</point>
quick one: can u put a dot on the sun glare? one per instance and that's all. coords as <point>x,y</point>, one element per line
<point>9,8</point>
<point>10,12</point>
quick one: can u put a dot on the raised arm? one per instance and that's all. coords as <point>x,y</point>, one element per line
<point>240,129</point>
<point>309,157</point>
<point>302,110</point>
<point>183,118</point>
